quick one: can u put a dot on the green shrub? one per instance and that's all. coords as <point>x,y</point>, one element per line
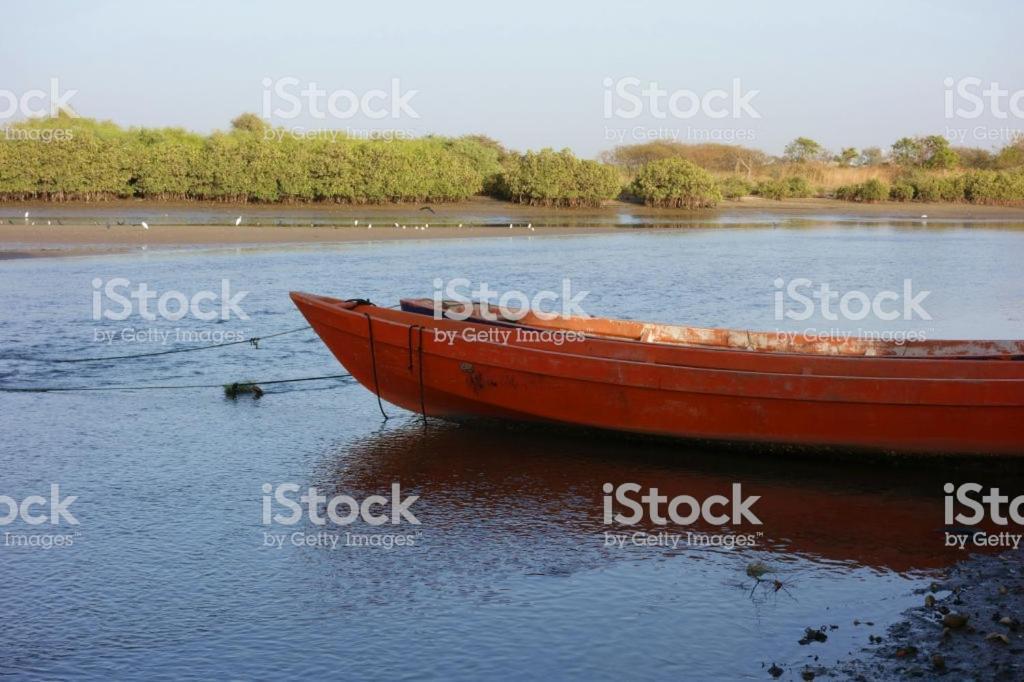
<point>675,183</point>
<point>798,187</point>
<point>872,190</point>
<point>772,189</point>
<point>994,187</point>
<point>792,187</point>
<point>735,187</point>
<point>845,192</point>
<point>250,163</point>
<point>550,178</point>
<point>901,191</point>
<point>869,191</point>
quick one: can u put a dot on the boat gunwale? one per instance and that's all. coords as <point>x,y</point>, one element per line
<point>798,341</point>
<point>825,382</point>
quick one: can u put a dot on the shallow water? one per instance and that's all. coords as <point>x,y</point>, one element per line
<point>509,574</point>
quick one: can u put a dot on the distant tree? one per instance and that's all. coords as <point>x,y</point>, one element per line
<point>938,153</point>
<point>907,151</point>
<point>973,157</point>
<point>846,157</point>
<point>932,151</point>
<point>1012,155</point>
<point>709,155</point>
<point>871,156</point>
<point>249,122</point>
<point>804,149</point>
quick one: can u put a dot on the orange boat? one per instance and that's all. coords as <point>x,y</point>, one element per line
<point>934,397</point>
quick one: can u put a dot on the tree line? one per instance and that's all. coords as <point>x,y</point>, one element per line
<point>251,162</point>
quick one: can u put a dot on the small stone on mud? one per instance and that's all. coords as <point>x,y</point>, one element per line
<point>807,675</point>
<point>997,637</point>
<point>955,620</point>
<point>929,601</point>
<point>938,662</point>
<point>775,671</point>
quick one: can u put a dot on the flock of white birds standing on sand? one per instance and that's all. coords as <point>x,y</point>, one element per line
<point>355,223</point>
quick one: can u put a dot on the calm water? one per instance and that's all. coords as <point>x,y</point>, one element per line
<point>169,575</point>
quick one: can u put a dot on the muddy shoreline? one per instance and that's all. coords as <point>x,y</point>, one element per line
<point>79,228</point>
<point>968,626</point>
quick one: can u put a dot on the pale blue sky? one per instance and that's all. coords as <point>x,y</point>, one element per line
<point>528,73</point>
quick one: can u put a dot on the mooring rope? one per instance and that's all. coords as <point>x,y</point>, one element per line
<point>253,340</point>
<point>373,362</point>
<point>55,389</point>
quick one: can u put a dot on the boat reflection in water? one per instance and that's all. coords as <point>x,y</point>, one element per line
<point>539,491</point>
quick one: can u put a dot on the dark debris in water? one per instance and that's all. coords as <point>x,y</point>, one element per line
<point>235,390</point>
<point>814,635</point>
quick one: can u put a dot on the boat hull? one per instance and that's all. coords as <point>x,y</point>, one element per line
<point>444,368</point>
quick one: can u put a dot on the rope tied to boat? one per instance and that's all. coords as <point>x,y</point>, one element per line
<point>254,341</point>
<point>373,364</point>
<point>423,405</point>
<point>162,387</point>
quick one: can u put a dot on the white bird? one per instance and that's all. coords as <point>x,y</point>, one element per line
<point>356,223</point>
<point>369,226</point>
<point>396,225</point>
<point>510,226</point>
<point>403,226</point>
<point>426,225</point>
<point>49,223</point>
<point>529,225</point>
<point>144,225</point>
<point>924,215</point>
<point>460,224</point>
<point>238,221</point>
<point>26,215</point>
